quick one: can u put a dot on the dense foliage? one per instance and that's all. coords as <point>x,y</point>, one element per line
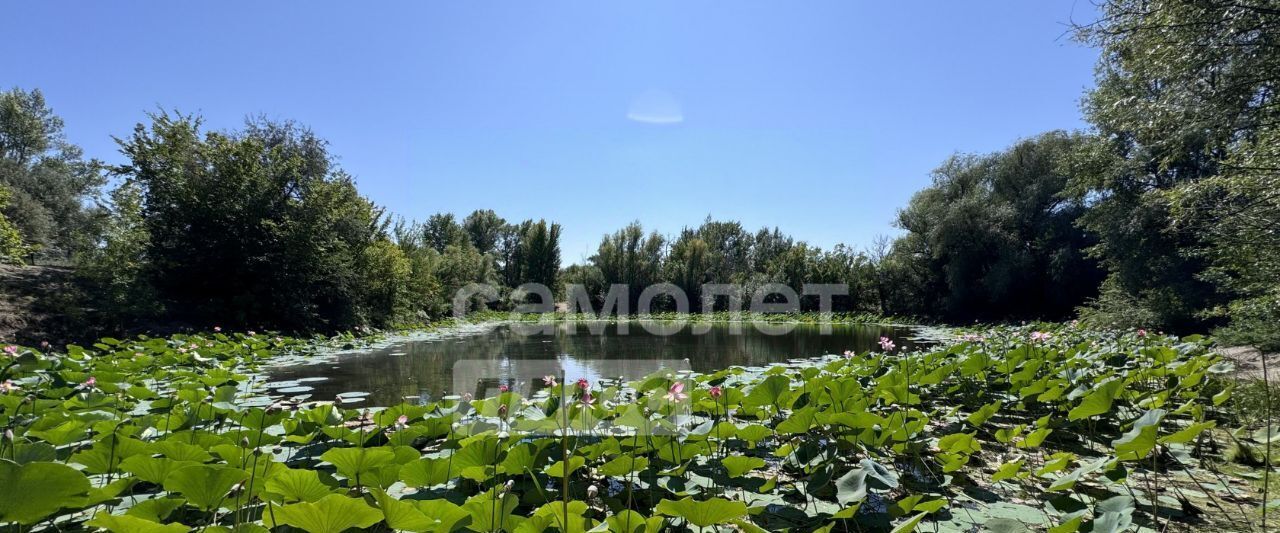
<point>252,227</point>
<point>1182,181</point>
<point>12,247</point>
<point>260,227</point>
<point>994,237</point>
<point>47,183</point>
<point>1165,214</point>
<point>1063,427</point>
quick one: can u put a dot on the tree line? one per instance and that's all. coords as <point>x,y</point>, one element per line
<point>256,227</point>
<point>1164,213</point>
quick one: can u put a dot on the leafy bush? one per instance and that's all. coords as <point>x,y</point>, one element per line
<point>12,249</point>
<point>1116,308</point>
<point>1254,322</point>
<point>114,270</point>
<point>1251,401</point>
<point>51,186</point>
<point>254,227</point>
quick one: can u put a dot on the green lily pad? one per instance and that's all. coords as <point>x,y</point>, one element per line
<point>737,465</point>
<point>703,513</point>
<point>133,524</point>
<point>30,493</point>
<point>298,485</point>
<point>332,514</point>
<point>204,486</point>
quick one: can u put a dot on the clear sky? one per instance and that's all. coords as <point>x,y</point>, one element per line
<point>820,117</point>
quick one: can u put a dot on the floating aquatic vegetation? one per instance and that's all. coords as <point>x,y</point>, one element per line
<point>1013,428</point>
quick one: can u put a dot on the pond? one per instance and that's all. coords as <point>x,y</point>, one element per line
<point>479,360</point>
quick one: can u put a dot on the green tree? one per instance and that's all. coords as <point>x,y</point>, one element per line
<point>855,270</point>
<point>115,269</point>
<point>442,230</point>
<point>251,227</point>
<point>1240,209</point>
<point>689,265</point>
<point>484,227</point>
<point>767,246</point>
<point>1183,173</point>
<point>729,249</point>
<point>630,256</point>
<point>423,288</point>
<point>387,273</point>
<point>510,253</point>
<point>589,277</point>
<point>540,253</point>
<point>461,265</point>
<point>12,249</point>
<point>51,185</point>
<point>794,267</point>
<point>994,237</point>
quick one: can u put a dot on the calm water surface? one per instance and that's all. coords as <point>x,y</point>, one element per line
<point>478,362</point>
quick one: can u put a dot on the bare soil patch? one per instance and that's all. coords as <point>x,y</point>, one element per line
<point>1248,361</point>
<point>38,303</point>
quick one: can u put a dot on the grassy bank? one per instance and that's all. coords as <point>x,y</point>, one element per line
<point>713,317</point>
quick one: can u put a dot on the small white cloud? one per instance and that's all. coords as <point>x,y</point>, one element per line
<point>656,107</point>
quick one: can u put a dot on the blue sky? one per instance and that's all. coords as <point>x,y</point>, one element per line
<point>819,117</point>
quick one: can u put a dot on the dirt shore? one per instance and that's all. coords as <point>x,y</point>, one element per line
<point>37,303</point>
<point>1248,361</point>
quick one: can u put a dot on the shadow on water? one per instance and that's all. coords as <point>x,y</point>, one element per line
<point>511,354</point>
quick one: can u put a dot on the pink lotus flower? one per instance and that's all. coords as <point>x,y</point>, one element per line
<point>402,421</point>
<point>549,381</point>
<point>44,345</point>
<point>7,386</point>
<point>676,392</point>
<point>251,333</point>
<point>503,388</point>
<point>11,350</point>
<point>886,344</point>
<point>584,384</point>
<point>587,399</point>
<point>848,354</point>
<point>217,329</point>
<point>1040,335</point>
<point>716,392</point>
<point>1142,333</point>
<point>91,382</point>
